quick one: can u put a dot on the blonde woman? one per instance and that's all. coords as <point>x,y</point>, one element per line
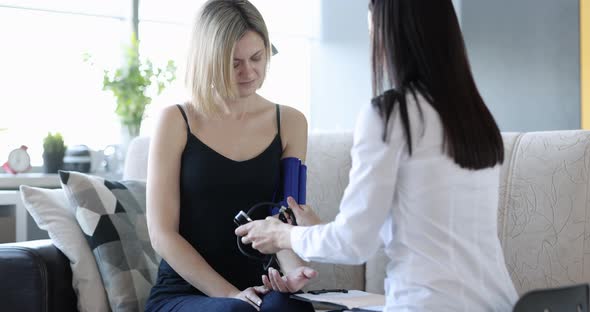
<point>216,155</point>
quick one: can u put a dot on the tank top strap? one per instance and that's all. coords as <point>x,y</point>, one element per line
<point>188,128</point>
<point>278,109</point>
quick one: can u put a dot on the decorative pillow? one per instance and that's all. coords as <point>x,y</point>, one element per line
<point>112,217</point>
<point>52,212</point>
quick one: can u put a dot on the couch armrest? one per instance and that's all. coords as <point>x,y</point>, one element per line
<point>35,276</point>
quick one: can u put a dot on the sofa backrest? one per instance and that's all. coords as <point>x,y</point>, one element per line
<point>135,167</point>
<point>328,163</point>
<point>543,213</point>
<point>544,208</point>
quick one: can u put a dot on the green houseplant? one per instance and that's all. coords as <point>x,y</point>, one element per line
<point>53,152</point>
<point>133,84</point>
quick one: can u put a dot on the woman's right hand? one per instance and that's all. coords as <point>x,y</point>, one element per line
<point>290,283</point>
<point>304,214</point>
<point>252,295</point>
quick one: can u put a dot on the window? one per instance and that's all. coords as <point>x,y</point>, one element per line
<point>47,85</point>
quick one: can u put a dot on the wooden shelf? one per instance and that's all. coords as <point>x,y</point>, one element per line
<point>13,181</point>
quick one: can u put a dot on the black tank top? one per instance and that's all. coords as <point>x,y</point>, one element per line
<point>213,189</point>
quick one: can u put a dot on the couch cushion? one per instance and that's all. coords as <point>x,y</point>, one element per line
<point>52,212</point>
<point>112,217</point>
<point>328,163</point>
<point>545,207</point>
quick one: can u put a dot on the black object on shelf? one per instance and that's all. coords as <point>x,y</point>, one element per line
<point>77,158</point>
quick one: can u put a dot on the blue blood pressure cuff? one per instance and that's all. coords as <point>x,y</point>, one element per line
<point>293,183</point>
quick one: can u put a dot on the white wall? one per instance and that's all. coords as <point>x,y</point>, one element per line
<point>457,4</point>
<point>340,65</point>
<point>525,59</point>
<point>524,56</point>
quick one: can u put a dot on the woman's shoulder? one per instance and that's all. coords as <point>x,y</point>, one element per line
<point>171,118</point>
<point>416,104</point>
<point>293,132</point>
<point>170,132</point>
<point>374,120</point>
<point>292,117</point>
<point>172,112</point>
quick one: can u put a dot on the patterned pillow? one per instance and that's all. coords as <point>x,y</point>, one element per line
<point>52,212</point>
<point>112,216</point>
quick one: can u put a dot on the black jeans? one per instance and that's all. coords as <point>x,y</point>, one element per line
<point>271,302</point>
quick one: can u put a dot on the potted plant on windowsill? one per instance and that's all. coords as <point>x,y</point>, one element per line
<point>133,84</point>
<point>53,152</point>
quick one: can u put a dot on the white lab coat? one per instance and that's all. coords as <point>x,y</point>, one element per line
<point>437,221</point>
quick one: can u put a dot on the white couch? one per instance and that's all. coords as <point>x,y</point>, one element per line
<point>544,210</point>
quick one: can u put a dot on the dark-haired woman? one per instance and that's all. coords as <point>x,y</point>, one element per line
<point>425,173</point>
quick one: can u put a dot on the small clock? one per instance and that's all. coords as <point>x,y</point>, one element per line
<point>18,161</point>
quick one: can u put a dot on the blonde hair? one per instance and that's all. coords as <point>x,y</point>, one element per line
<point>218,26</point>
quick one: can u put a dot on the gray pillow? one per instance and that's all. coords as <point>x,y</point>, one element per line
<point>112,216</point>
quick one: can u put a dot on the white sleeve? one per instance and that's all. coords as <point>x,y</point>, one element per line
<point>353,237</point>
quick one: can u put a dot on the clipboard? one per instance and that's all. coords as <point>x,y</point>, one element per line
<point>355,300</point>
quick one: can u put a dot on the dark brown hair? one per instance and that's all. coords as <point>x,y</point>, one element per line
<point>417,47</point>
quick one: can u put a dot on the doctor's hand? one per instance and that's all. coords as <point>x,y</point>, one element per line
<point>290,283</point>
<point>267,236</point>
<point>304,214</point>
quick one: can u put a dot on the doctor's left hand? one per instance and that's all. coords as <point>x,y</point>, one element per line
<point>267,236</point>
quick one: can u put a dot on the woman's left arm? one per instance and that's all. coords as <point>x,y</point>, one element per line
<point>353,237</point>
<point>294,137</point>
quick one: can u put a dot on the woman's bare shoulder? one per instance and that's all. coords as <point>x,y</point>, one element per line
<point>292,118</point>
<point>171,125</point>
<point>293,132</point>
<point>172,115</point>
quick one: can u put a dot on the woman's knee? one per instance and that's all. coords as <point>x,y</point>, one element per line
<point>236,305</point>
<point>206,304</point>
